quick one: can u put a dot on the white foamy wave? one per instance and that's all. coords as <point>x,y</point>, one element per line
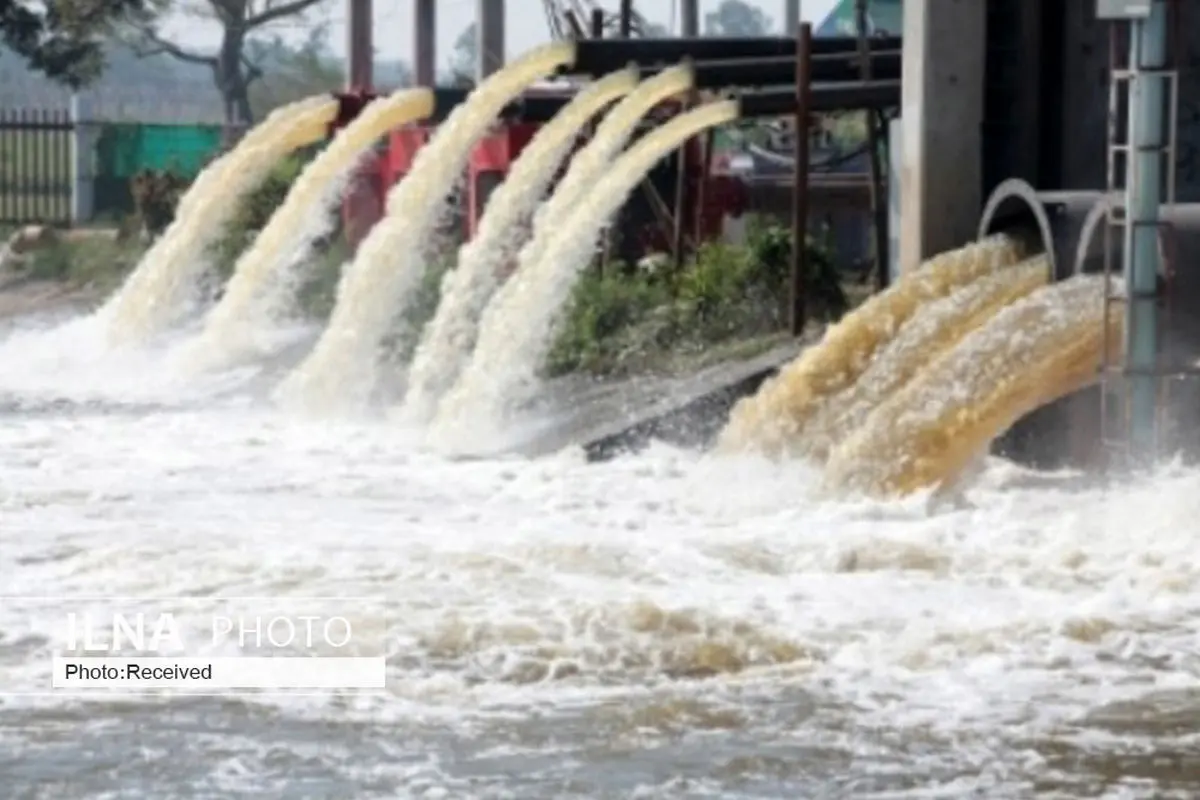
<point>73,362</point>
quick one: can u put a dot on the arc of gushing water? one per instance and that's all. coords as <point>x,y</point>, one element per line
<point>377,286</point>
<point>590,164</point>
<point>515,335</point>
<point>160,288</point>
<point>1042,347</point>
<point>784,404</point>
<point>447,340</point>
<point>261,284</point>
<point>934,330</point>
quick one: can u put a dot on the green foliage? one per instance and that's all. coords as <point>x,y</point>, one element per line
<point>401,342</point>
<point>620,320</point>
<point>101,261</point>
<point>771,248</point>
<point>318,292</point>
<point>260,204</point>
<point>847,129</point>
<point>602,320</point>
<point>63,40</point>
<point>256,209</point>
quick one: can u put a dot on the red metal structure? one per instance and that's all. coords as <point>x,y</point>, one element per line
<point>714,196</point>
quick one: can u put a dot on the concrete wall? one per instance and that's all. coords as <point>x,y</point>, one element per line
<point>978,103</point>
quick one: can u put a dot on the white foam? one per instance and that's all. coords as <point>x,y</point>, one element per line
<point>523,591</point>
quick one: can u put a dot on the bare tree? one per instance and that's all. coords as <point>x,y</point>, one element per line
<point>233,72</point>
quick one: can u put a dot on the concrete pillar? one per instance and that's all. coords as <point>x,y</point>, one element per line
<point>360,50</point>
<point>689,18</point>
<point>942,111</point>
<point>791,17</point>
<point>83,178</point>
<point>425,42</point>
<point>489,28</point>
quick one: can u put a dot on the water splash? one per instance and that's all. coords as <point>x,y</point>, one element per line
<point>163,285</point>
<point>938,327</point>
<point>263,282</point>
<point>517,328</point>
<point>1037,350</point>
<point>592,162</point>
<point>374,290</point>
<point>769,421</point>
<point>447,341</point>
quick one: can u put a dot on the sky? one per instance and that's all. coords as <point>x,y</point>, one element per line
<point>525,23</point>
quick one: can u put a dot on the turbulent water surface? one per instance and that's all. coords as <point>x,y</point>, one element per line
<point>665,625</point>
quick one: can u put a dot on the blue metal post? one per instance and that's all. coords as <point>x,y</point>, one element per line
<point>1143,196</point>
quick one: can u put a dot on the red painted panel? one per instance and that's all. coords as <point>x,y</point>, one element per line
<point>491,154</point>
<point>362,205</point>
<point>490,162</point>
<point>364,199</point>
<point>403,146</point>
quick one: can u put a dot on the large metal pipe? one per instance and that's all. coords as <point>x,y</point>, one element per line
<point>1045,222</point>
<point>825,97</point>
<point>1179,299</point>
<point>771,103</point>
<point>599,56</point>
<point>830,68</point>
<point>1065,434</point>
<point>1069,228</point>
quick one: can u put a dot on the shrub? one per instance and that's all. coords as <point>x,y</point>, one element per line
<point>771,248</point>
<point>255,209</point>
<point>401,341</point>
<point>100,261</point>
<point>318,291</point>
<point>258,206</point>
<point>155,195</point>
<point>619,319</point>
<point>601,317</point>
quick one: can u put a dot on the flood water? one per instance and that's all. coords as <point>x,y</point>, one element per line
<point>663,625</point>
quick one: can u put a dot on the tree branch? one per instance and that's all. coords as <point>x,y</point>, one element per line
<point>152,44</point>
<point>273,13</point>
<point>252,71</point>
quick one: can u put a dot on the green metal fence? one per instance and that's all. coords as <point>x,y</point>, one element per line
<point>36,155</point>
<point>124,149</point>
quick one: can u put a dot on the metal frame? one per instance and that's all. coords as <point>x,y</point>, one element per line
<point>1117,217</point>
